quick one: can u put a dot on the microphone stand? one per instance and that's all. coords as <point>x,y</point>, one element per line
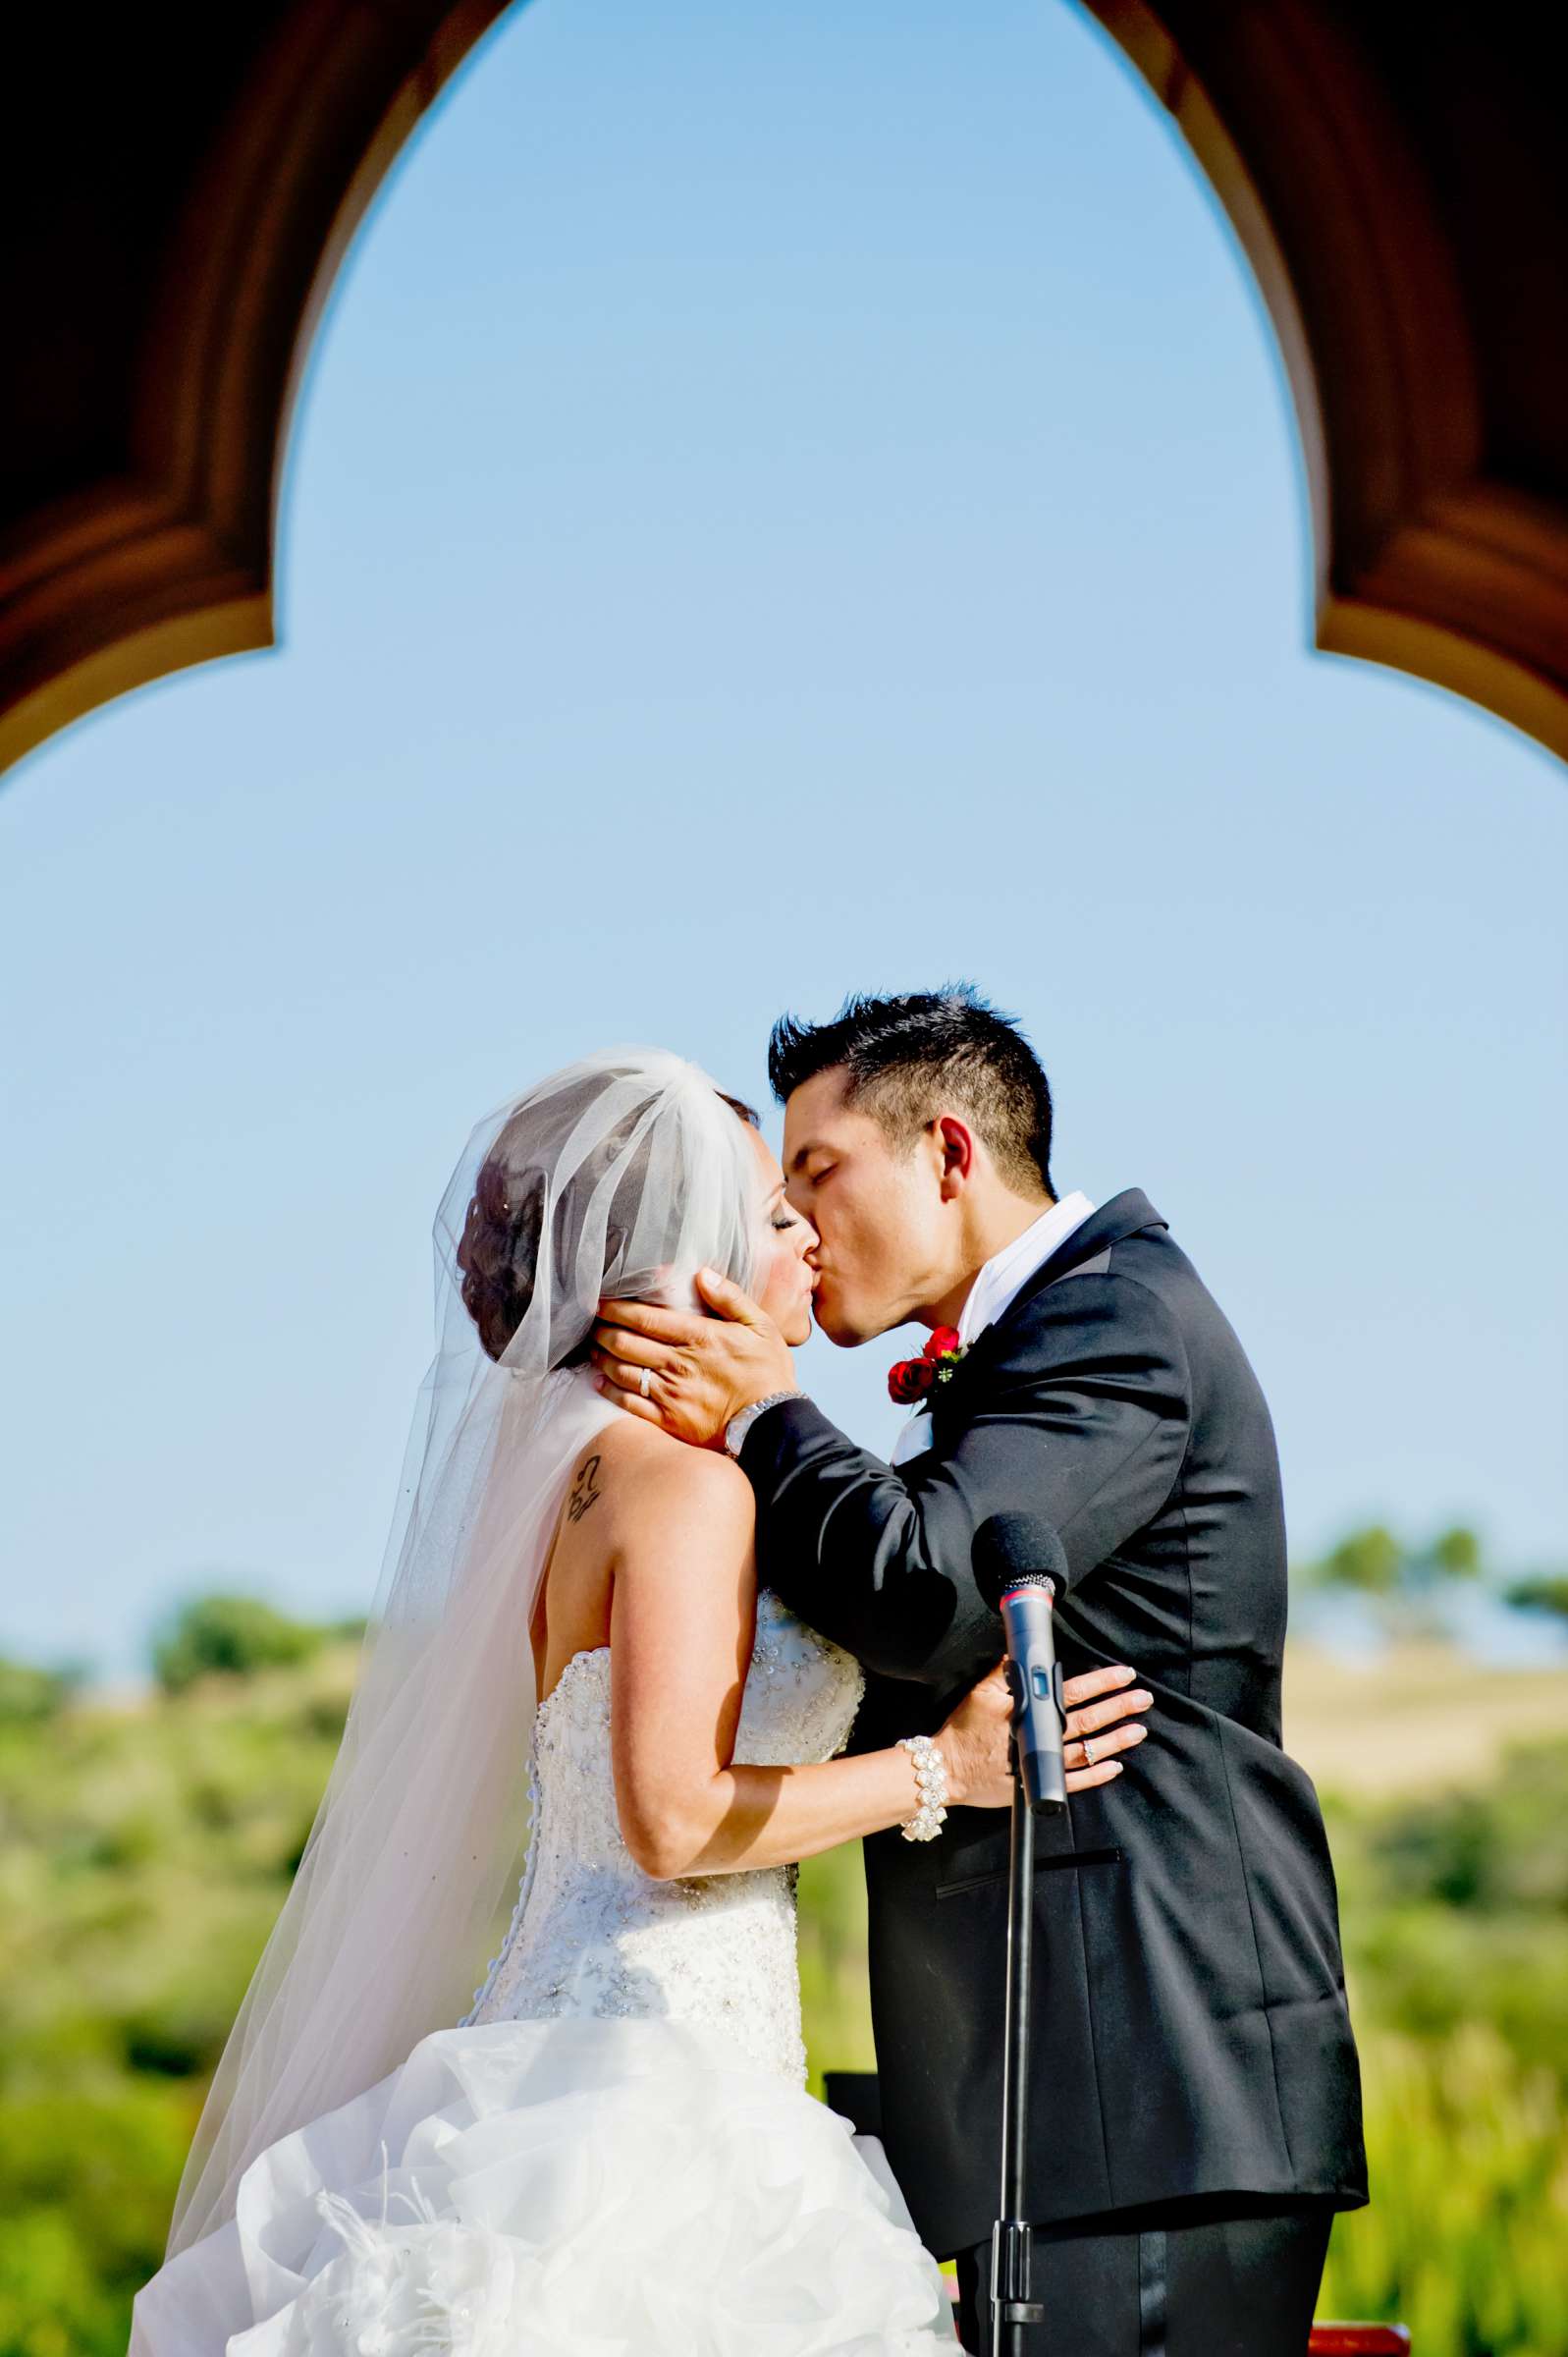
<point>1011,2307</point>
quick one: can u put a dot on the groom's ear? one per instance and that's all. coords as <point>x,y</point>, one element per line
<point>956,1141</point>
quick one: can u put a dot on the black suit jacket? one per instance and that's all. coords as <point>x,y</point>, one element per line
<point>1191,2034</point>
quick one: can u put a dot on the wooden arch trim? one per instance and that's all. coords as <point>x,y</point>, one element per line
<point>1430,383</point>
<point>1426,557</point>
<point>169,562</point>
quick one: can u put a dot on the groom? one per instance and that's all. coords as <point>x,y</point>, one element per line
<point>1195,2104</point>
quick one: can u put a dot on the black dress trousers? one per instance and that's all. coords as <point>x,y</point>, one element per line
<point>1187,2284</point>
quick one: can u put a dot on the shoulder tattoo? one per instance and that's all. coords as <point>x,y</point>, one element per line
<point>585,1493</point>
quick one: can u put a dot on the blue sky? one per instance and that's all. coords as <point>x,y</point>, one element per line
<point>782,501</point>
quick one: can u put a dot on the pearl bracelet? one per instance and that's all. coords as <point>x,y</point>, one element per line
<point>931,1781</point>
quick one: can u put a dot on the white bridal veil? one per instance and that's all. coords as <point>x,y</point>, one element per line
<point>621,1175</point>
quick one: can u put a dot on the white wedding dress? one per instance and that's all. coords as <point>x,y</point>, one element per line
<point>613,2154</point>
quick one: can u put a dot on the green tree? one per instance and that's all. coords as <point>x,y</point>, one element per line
<point>29,1696</point>
<point>1371,1560</point>
<point>1543,1592</point>
<point>1455,1553</point>
<point>233,1635</point>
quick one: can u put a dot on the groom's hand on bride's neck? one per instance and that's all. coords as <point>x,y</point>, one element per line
<point>687,1373</point>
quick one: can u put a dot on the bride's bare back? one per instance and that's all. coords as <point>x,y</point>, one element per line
<point>633,1487</point>
<point>653,1557</point>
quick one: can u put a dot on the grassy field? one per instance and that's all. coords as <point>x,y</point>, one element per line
<point>145,1848</point>
<point>1420,1719</point>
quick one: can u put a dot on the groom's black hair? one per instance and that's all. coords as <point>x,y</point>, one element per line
<point>902,1055</point>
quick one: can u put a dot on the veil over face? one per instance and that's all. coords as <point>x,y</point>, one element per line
<point>622,1173</point>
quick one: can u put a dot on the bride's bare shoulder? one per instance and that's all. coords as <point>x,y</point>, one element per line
<point>643,1474</point>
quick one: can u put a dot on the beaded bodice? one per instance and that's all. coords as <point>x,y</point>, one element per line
<point>592,1933</point>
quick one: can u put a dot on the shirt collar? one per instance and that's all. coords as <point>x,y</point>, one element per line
<point>1009,1271</point>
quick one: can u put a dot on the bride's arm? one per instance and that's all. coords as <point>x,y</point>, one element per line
<point>682,1615</point>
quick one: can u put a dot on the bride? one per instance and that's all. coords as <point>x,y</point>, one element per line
<point>607,2151</point>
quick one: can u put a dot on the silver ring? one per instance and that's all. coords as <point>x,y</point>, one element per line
<point>1088,1752</point>
<point>644,1379</point>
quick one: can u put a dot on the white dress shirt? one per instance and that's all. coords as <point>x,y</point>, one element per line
<point>994,1290</point>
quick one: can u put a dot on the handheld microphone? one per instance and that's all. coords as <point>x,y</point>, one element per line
<point>1018,1559</point>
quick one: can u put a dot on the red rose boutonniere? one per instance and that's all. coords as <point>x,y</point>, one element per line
<point>914,1379</point>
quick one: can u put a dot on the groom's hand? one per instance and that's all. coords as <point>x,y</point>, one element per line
<point>687,1373</point>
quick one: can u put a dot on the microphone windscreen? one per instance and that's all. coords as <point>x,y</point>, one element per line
<point>1009,1548</point>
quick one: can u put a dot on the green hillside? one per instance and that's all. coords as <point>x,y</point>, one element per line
<point>145,1849</point>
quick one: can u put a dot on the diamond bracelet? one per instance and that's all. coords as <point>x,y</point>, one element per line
<point>931,1781</point>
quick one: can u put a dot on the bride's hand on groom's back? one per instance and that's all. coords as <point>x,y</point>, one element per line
<point>1105,1710</point>
<point>1104,1717</point>
<point>974,1745</point>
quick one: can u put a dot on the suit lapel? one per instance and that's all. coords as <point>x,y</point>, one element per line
<point>1127,1214</point>
<point>1086,1251</point>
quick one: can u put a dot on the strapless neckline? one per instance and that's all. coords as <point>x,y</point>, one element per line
<point>592,1935</point>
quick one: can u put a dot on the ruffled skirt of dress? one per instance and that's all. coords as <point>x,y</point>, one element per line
<point>594,2188</point>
